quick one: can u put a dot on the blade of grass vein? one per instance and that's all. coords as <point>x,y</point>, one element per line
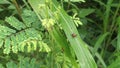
<point>69,28</point>
<point>55,33</point>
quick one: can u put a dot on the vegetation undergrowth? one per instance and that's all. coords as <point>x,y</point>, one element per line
<point>59,34</point>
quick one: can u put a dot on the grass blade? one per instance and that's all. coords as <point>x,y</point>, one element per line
<point>118,36</point>
<point>99,41</point>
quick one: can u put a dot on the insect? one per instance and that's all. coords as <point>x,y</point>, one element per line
<point>74,35</point>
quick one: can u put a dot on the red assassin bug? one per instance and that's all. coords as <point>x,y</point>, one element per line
<point>74,35</point>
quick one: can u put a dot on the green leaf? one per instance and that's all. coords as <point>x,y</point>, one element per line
<point>115,64</point>
<point>32,63</point>
<point>34,45</point>
<point>15,22</point>
<point>11,64</point>
<point>1,43</point>
<point>7,46</point>
<point>118,36</point>
<point>29,17</point>
<point>84,12</point>
<point>1,9</point>
<point>14,44</point>
<point>6,29</point>
<point>4,2</point>
<point>21,37</point>
<point>77,44</point>
<point>99,41</point>
<point>44,47</point>
<point>1,66</point>
<point>75,0</point>
<point>28,47</point>
<point>101,60</point>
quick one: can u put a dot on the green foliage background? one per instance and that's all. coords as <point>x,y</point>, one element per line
<point>59,34</point>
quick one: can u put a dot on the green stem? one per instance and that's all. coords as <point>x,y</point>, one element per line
<point>17,7</point>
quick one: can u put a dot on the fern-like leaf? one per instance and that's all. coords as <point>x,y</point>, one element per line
<point>15,23</point>
<point>21,36</point>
